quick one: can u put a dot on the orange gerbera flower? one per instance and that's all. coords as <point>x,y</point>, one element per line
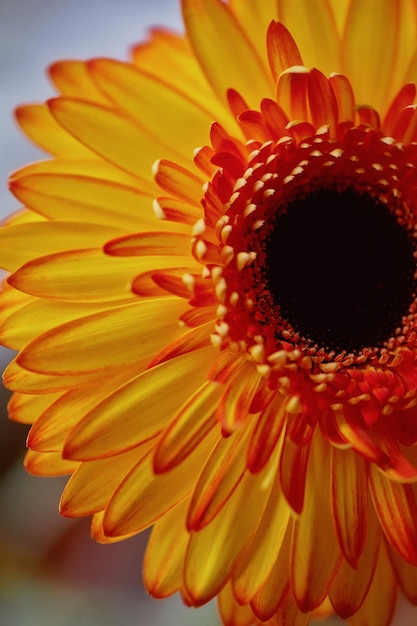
<point>238,366</point>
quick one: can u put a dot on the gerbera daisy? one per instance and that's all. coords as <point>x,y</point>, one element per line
<point>213,299</point>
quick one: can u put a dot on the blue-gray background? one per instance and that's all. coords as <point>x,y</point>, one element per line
<point>51,572</point>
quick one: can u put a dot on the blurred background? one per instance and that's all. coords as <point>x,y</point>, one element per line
<point>51,572</point>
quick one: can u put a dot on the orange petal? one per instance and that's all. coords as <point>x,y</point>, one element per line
<point>315,549</point>
<point>219,478</point>
<point>16,333</point>
<point>187,342</point>
<point>143,497</point>
<point>345,98</point>
<point>51,428</point>
<point>322,101</point>
<point>266,434</point>
<point>350,586</point>
<point>168,57</point>
<point>148,244</point>
<point>234,406</point>
<point>189,426</point>
<point>232,613</point>
<point>206,22</point>
<point>100,433</point>
<point>292,92</point>
<point>293,471</point>
<point>350,502</point>
<point>175,210</point>
<point>282,49</point>
<point>266,601</point>
<point>255,18</point>
<point>78,276</point>
<point>213,550</point>
<point>405,127</point>
<point>403,98</point>
<point>165,551</point>
<point>379,604</point>
<point>397,512</point>
<point>289,613</point>
<point>17,378</point>
<point>26,408</point>
<point>97,530</point>
<point>257,562</point>
<point>275,117</point>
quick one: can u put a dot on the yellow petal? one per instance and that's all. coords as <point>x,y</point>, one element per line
<point>129,414</point>
<point>266,601</point>
<point>124,334</point>
<point>39,125</point>
<point>49,464</point>
<point>149,243</point>
<point>378,607</point>
<point>396,508</point>
<point>92,484</point>
<point>26,408</point>
<point>406,575</point>
<point>85,276</point>
<point>73,78</point>
<point>172,119</point>
<point>231,612</point>
<point>83,198</point>
<point>108,133</point>
<point>189,426</point>
<point>313,26</point>
<point>256,564</point>
<point>221,474</point>
<point>229,61</point>
<point>143,497</point>
<point>24,242</point>
<point>350,586</point>
<point>350,502</point>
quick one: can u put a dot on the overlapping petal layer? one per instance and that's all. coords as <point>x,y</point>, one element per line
<point>154,358</point>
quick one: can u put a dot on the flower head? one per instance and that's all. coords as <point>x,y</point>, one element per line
<point>223,346</point>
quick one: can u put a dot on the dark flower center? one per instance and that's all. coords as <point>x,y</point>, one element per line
<point>340,269</point>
